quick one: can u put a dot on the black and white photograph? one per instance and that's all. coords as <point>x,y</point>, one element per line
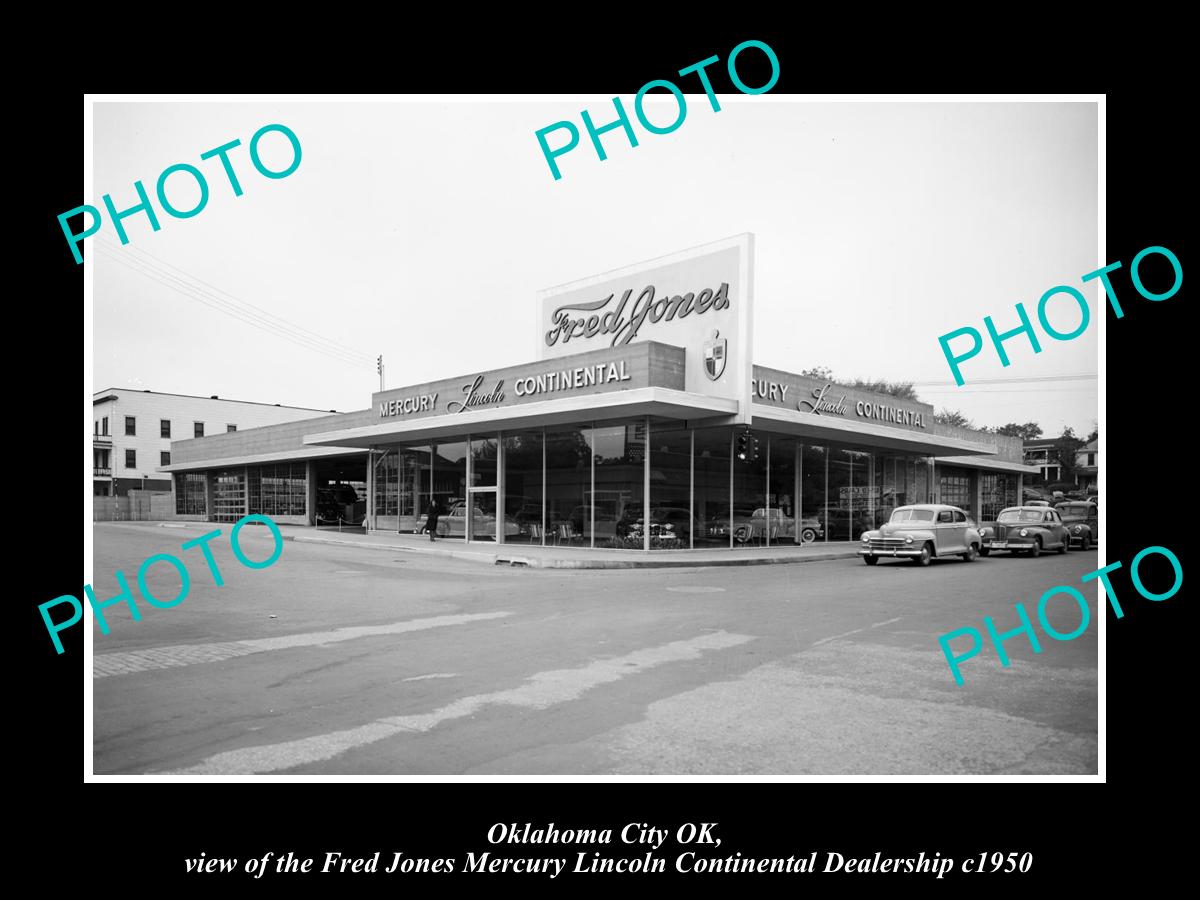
<point>697,433</point>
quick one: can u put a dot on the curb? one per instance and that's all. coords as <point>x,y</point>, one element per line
<point>533,562</point>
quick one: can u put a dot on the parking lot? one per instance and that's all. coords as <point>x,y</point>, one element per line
<point>340,660</point>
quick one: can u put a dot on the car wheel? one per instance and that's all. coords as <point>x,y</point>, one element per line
<point>1036,550</point>
<point>984,551</point>
<point>808,535</point>
<point>971,554</point>
<point>871,560</point>
<point>741,534</point>
<point>1086,543</point>
<point>925,557</point>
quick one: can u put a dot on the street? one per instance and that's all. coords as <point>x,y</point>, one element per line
<point>346,661</point>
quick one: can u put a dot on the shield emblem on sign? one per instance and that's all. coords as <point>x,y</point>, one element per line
<point>716,353</point>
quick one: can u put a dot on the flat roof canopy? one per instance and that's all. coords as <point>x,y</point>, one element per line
<point>992,465</point>
<point>301,453</point>
<point>646,401</point>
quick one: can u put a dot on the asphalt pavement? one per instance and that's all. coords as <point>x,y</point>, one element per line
<point>337,660</point>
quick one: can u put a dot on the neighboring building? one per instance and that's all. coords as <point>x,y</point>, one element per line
<point>643,425</point>
<point>132,432</point>
<point>1040,452</point>
<point>1087,465</point>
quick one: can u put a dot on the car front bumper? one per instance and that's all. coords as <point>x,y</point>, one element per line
<point>1019,544</point>
<point>890,551</point>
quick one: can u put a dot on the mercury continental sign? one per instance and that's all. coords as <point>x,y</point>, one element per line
<point>645,307</point>
<point>821,404</point>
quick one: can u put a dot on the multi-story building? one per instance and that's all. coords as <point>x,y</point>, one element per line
<point>1040,452</point>
<point>132,432</point>
<point>1087,465</point>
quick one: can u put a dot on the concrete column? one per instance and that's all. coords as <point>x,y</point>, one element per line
<point>645,488</point>
<point>500,489</point>
<point>310,492</point>
<point>370,522</point>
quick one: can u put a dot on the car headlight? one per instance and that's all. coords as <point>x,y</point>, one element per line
<point>1024,532</point>
<point>866,537</point>
<point>1077,529</point>
<point>908,540</point>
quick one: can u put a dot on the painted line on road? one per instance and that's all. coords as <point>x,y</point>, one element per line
<point>126,663</point>
<point>431,675</point>
<point>540,691</point>
<point>838,637</point>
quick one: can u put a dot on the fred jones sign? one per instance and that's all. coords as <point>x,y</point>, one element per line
<point>698,300</point>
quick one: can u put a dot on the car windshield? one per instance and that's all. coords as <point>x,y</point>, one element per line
<point>1020,515</point>
<point>1072,509</point>
<point>912,515</point>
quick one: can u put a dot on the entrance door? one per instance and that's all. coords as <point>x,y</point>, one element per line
<point>481,514</point>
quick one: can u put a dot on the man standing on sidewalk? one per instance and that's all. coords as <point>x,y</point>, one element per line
<point>431,518</point>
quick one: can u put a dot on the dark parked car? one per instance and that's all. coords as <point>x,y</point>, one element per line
<point>1082,522</point>
<point>668,523</point>
<point>340,502</point>
<point>1025,529</point>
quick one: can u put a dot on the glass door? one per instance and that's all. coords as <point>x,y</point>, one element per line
<point>481,514</point>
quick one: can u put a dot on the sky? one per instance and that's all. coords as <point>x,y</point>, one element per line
<point>421,230</point>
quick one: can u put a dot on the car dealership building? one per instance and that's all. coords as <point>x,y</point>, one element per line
<point>643,424</point>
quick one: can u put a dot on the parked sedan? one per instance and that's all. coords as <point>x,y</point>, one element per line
<point>920,532</point>
<point>1081,521</point>
<point>1025,529</point>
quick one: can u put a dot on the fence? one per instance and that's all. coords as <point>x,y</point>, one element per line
<point>138,506</point>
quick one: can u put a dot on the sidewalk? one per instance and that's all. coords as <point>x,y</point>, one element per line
<point>535,557</point>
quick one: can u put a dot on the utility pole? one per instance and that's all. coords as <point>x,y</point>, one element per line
<point>379,368</point>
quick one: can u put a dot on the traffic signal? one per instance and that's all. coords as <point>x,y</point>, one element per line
<point>379,364</point>
<point>746,448</point>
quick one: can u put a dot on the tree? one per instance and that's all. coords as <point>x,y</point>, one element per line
<point>1066,445</point>
<point>1093,434</point>
<point>952,417</point>
<point>902,389</point>
<point>821,373</point>
<point>1027,432</point>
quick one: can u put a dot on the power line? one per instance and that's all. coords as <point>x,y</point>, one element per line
<point>245,315</point>
<point>189,291</point>
<point>1074,376</point>
<point>240,309</point>
<point>265,313</point>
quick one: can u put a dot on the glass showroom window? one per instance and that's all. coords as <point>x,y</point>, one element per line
<point>711,525</point>
<point>617,500</point>
<point>814,472</point>
<point>569,486</point>
<point>387,489</point>
<point>523,452</point>
<point>670,487</point>
<point>782,516</point>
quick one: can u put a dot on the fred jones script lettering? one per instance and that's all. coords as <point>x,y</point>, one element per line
<point>645,307</point>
